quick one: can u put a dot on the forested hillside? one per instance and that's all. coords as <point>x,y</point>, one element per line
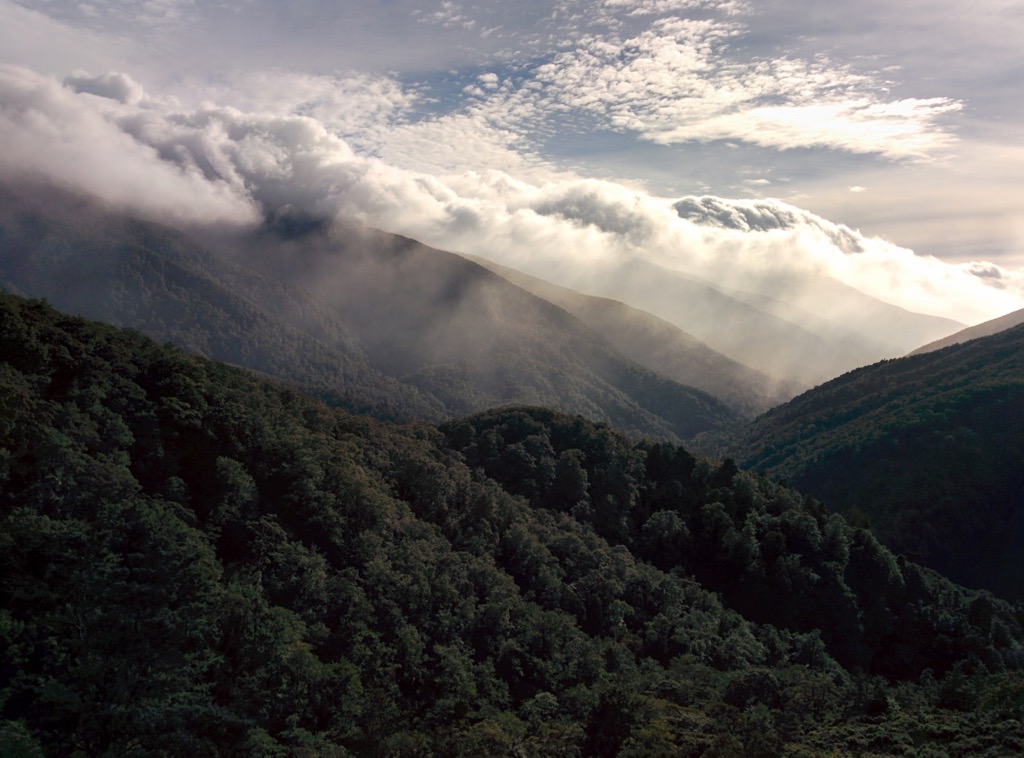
<point>661,346</point>
<point>195,562</point>
<point>369,321</point>
<point>98,263</point>
<point>927,448</point>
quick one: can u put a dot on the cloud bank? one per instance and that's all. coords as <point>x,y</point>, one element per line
<point>213,163</point>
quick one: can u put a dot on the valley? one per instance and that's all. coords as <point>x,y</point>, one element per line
<point>315,487</point>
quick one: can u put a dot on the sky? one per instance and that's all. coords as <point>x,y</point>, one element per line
<point>875,142</point>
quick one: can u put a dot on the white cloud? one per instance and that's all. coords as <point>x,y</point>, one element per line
<point>664,7</point>
<point>450,15</point>
<point>355,106</point>
<point>213,162</point>
<point>46,127</point>
<point>676,82</point>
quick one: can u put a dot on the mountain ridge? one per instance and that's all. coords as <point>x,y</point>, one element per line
<point>984,329</point>
<point>662,346</point>
<point>369,320</point>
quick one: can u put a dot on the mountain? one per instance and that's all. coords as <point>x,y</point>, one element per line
<point>790,343</point>
<point>370,321</point>
<point>927,448</point>
<point>659,345</point>
<point>817,301</point>
<point>993,326</point>
<point>872,329</point>
<point>467,336</point>
<point>94,261</point>
<point>197,562</point>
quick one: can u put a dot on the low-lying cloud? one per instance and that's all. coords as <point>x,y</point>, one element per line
<point>212,163</point>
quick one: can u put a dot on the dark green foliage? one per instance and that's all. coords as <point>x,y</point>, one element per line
<point>926,448</point>
<point>193,562</point>
<point>776,557</point>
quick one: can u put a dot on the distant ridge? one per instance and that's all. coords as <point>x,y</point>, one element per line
<point>791,332</point>
<point>984,329</point>
<point>659,345</point>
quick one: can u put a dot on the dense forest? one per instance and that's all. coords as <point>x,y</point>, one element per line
<point>195,561</point>
<point>926,449</point>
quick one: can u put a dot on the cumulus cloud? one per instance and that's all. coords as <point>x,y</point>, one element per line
<point>762,216</point>
<point>356,106</point>
<point>48,128</point>
<point>114,85</point>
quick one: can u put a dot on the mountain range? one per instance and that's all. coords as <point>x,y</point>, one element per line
<point>368,320</point>
<point>438,506</point>
<point>346,311</point>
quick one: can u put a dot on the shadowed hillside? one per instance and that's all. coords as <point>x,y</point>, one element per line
<point>927,447</point>
<point>367,320</point>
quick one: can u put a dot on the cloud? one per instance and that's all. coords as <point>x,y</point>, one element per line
<point>215,162</point>
<point>114,85</point>
<point>678,82</point>
<point>663,7</point>
<point>102,14</point>
<point>762,216</point>
<point>49,128</point>
<point>29,37</point>
<point>450,16</point>
<point>356,106</point>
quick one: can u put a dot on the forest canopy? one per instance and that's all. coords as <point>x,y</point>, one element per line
<point>195,561</point>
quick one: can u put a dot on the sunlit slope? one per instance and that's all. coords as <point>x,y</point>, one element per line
<point>791,343</point>
<point>928,447</point>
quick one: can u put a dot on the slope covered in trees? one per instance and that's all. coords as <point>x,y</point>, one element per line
<point>371,321</point>
<point>928,448</point>
<point>101,264</point>
<point>194,562</point>
<point>661,346</point>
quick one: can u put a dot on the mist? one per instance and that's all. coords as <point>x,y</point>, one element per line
<point>221,166</point>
